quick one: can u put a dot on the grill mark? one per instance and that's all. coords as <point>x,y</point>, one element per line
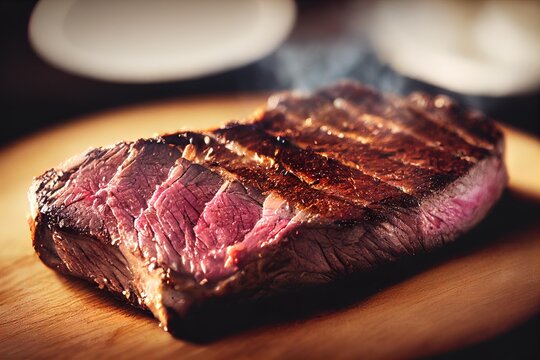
<point>426,127</point>
<point>371,131</point>
<point>423,106</point>
<point>469,124</point>
<point>390,132</point>
<point>268,177</point>
<point>411,179</point>
<point>320,172</point>
<point>399,141</point>
<point>395,113</point>
<point>401,122</point>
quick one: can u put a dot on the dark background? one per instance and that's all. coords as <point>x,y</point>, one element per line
<point>35,95</point>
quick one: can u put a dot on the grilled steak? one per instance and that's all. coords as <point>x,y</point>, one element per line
<point>311,188</point>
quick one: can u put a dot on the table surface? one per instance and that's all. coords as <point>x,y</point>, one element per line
<point>485,285</point>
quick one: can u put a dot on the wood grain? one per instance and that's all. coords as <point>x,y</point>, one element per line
<point>470,295</point>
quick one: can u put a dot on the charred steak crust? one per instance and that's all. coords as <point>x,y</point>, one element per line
<point>311,188</point>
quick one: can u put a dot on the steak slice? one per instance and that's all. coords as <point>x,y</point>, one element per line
<point>311,188</point>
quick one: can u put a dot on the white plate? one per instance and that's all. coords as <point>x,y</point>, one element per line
<point>159,40</point>
<point>488,47</point>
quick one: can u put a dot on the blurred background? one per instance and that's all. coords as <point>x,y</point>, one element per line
<point>85,56</point>
<point>63,59</point>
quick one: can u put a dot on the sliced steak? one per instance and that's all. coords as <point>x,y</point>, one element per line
<point>312,188</point>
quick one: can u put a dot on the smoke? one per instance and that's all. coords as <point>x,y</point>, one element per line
<point>323,52</point>
<point>309,65</point>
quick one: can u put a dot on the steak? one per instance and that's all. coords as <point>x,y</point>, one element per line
<point>311,188</point>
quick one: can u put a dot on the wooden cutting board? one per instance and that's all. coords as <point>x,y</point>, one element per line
<point>470,294</point>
